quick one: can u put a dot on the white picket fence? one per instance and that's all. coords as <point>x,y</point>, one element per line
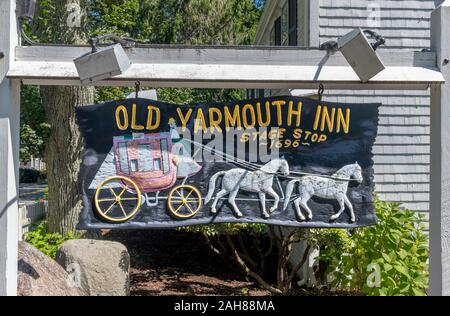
<point>30,214</point>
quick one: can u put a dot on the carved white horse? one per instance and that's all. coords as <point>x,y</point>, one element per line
<point>328,188</point>
<point>259,181</point>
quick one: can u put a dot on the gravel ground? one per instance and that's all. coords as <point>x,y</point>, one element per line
<point>169,262</point>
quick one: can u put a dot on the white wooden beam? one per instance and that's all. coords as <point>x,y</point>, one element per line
<point>9,151</point>
<point>440,157</point>
<point>230,67</point>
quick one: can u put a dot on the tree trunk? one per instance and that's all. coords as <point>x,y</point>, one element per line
<point>64,25</point>
<point>63,155</point>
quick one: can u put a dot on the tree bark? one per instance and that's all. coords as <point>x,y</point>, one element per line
<point>65,147</point>
<point>63,155</point>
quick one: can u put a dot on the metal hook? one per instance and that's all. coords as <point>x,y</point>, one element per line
<point>320,92</point>
<point>380,40</point>
<point>137,87</point>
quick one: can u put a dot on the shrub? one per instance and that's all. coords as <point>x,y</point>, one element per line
<point>261,251</point>
<point>45,194</point>
<point>47,242</point>
<point>396,249</point>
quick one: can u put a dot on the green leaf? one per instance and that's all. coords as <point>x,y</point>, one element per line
<point>387,267</point>
<point>403,270</point>
<point>418,292</point>
<point>405,289</point>
<point>402,254</point>
<point>386,257</point>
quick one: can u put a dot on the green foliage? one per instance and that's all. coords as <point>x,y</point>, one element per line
<point>29,175</point>
<point>34,129</point>
<point>396,247</point>
<point>214,230</point>
<point>176,22</point>
<point>30,143</point>
<point>230,22</point>
<point>45,194</point>
<point>47,242</point>
<point>105,94</point>
<point>189,96</point>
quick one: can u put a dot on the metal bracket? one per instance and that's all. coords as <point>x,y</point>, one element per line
<point>125,41</point>
<point>380,40</point>
<point>137,88</point>
<point>320,92</point>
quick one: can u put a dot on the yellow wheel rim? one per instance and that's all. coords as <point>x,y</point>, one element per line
<point>114,204</point>
<point>184,201</point>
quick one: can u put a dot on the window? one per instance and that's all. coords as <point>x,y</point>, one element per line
<point>145,157</point>
<point>292,24</point>
<point>123,158</point>
<point>285,28</point>
<point>275,34</point>
<point>272,36</point>
<point>251,93</point>
<point>284,24</point>
<point>157,164</point>
<point>165,156</point>
<point>134,165</point>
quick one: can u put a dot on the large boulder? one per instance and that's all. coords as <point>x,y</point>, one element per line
<point>101,267</point>
<point>40,275</point>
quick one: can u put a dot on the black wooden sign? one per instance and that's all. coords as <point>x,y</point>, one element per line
<point>281,160</point>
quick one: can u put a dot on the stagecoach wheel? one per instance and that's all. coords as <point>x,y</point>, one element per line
<point>184,201</point>
<point>117,199</point>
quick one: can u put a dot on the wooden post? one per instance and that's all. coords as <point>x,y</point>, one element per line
<point>440,157</point>
<point>9,151</point>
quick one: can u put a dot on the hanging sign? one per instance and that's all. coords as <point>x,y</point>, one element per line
<point>281,160</point>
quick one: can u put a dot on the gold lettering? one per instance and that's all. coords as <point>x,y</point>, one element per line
<point>122,125</point>
<point>345,121</point>
<point>200,123</point>
<point>260,121</point>
<point>322,138</point>
<point>245,109</point>
<point>133,119</point>
<point>232,120</point>
<point>297,133</point>
<point>215,123</point>
<point>278,104</point>
<point>297,113</point>
<point>184,119</point>
<point>326,118</point>
<point>317,118</point>
<point>153,109</point>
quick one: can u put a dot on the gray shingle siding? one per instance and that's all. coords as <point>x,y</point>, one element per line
<point>405,24</point>
<point>402,149</point>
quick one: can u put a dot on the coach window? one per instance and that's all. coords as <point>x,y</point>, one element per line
<point>123,158</point>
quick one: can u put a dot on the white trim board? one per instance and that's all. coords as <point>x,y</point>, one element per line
<point>230,67</point>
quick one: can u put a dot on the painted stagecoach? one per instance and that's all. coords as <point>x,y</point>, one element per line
<point>146,164</point>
